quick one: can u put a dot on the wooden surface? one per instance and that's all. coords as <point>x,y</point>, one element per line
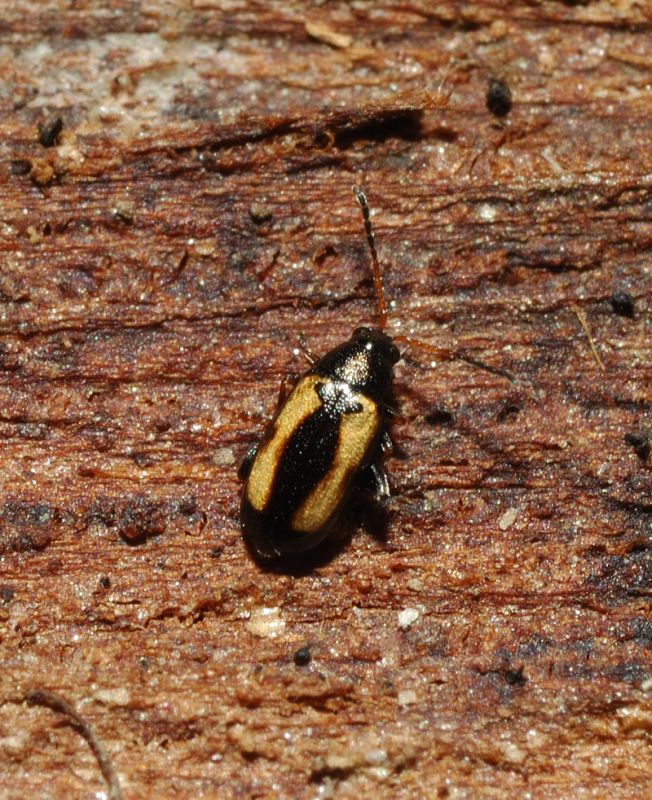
<point>158,264</point>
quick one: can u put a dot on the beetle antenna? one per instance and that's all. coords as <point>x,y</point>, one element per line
<point>378,278</point>
<point>441,352</point>
<point>448,354</point>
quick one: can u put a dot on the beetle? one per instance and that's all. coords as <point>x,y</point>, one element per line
<point>327,437</point>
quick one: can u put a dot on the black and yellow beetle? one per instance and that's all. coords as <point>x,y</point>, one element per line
<point>326,437</point>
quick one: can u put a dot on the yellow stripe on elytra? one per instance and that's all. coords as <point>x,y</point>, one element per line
<point>358,432</point>
<point>302,402</point>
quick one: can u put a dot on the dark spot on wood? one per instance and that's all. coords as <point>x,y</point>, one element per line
<point>640,442</point>
<point>499,97</point>
<point>302,657</point>
<point>20,166</point>
<point>49,130</point>
<point>445,134</point>
<point>336,775</point>
<point>405,125</point>
<point>458,23</point>
<point>638,547</point>
<point>440,416</point>
<point>142,520</point>
<point>105,581</point>
<point>623,304</point>
<point>515,677</point>
<point>595,551</point>
<point>6,594</point>
<point>187,506</point>
<point>143,460</point>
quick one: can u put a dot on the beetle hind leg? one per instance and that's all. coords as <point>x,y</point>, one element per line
<point>373,478</point>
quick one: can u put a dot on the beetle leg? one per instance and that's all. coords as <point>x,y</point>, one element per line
<point>386,444</point>
<point>247,461</point>
<point>388,411</point>
<point>287,384</point>
<point>311,358</point>
<point>374,479</point>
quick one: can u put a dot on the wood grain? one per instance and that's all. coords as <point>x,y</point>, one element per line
<point>158,264</point>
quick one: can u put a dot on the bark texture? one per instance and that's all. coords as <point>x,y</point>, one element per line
<point>175,212</point>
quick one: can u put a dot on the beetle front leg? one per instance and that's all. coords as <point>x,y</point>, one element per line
<point>288,383</point>
<point>310,357</point>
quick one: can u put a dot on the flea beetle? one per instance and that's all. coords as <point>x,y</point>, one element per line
<point>326,438</point>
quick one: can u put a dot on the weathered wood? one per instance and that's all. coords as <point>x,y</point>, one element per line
<point>159,260</point>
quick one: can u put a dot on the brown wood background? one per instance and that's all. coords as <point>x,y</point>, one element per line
<point>157,266</point>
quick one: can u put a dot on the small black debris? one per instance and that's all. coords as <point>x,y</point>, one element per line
<point>187,505</point>
<point>499,97</point>
<point>515,677</point>
<point>49,130</point>
<point>623,304</point>
<point>302,657</point>
<point>640,442</point>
